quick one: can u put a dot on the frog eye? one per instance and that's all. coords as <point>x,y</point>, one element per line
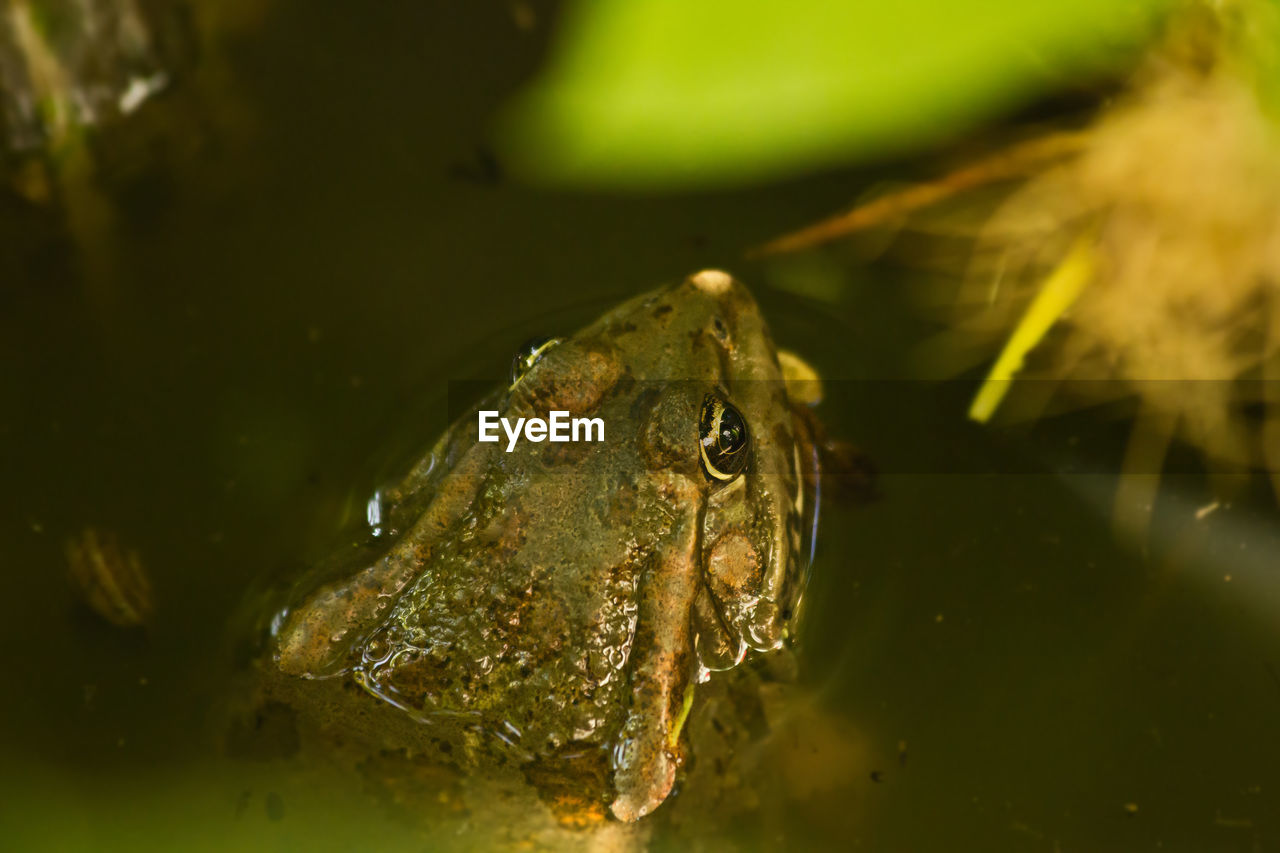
<point>529,355</point>
<point>724,442</point>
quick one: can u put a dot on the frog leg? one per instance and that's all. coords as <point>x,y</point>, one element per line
<point>646,759</point>
<point>317,636</point>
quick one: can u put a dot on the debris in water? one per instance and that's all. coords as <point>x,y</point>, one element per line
<point>1132,259</point>
<point>110,578</point>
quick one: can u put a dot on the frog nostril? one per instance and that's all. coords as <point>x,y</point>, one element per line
<point>721,333</point>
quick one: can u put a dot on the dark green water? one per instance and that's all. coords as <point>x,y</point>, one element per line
<point>273,320</point>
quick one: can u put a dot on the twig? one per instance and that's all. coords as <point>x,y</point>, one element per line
<point>1006,164</point>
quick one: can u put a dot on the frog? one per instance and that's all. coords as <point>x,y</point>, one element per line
<point>549,609</point>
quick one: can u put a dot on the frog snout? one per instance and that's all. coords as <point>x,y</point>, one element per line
<point>712,282</point>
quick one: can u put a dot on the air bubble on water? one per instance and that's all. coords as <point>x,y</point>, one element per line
<point>403,657</point>
<point>373,513</point>
<point>376,652</point>
<point>620,753</point>
<point>584,732</point>
<point>277,621</point>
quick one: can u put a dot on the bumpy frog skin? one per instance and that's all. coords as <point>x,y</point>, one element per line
<point>568,596</point>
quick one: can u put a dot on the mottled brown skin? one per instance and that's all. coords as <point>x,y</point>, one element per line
<point>561,600</point>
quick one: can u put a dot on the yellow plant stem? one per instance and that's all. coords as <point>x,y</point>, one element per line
<point>674,737</point>
<point>1056,295</point>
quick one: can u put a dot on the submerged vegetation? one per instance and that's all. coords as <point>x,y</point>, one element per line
<point>1138,256</point>
<point>1173,206</point>
<point>1132,252</point>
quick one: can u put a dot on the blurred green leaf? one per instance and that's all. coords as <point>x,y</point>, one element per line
<point>662,93</point>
